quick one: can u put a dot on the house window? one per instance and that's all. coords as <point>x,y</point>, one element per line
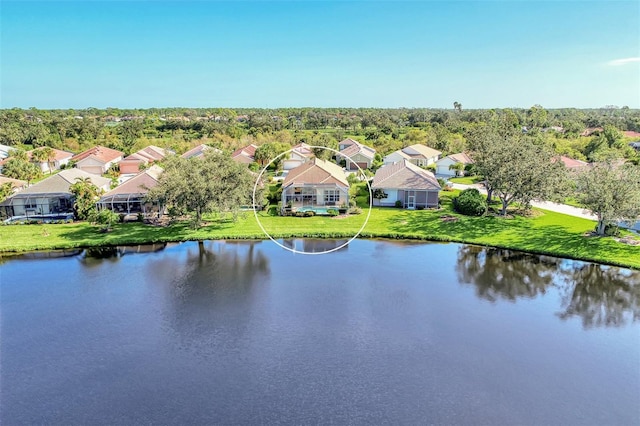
<point>331,196</point>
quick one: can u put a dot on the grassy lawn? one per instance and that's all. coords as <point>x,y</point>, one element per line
<point>571,201</point>
<point>546,233</point>
<point>465,180</point>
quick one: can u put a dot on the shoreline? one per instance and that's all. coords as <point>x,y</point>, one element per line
<point>364,236</point>
<point>544,233</point>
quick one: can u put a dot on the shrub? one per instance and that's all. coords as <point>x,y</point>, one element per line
<point>470,202</point>
<point>332,212</point>
<point>354,210</point>
<point>309,213</point>
<point>399,204</point>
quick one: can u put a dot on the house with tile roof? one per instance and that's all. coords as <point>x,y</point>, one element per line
<point>50,197</point>
<point>142,158</point>
<point>356,154</point>
<point>346,143</point>
<point>197,152</point>
<point>97,160</point>
<point>300,154</point>
<point>571,163</point>
<point>16,184</point>
<point>245,155</point>
<point>129,198</point>
<point>59,158</point>
<point>418,154</point>
<point>315,184</point>
<point>407,183</point>
<point>443,165</point>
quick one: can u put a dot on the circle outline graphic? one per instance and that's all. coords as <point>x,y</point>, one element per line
<point>293,250</point>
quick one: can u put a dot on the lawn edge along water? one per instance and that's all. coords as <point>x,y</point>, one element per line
<point>547,233</point>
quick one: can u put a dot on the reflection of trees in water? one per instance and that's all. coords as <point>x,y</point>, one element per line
<point>95,256</point>
<point>599,295</point>
<point>505,274</point>
<point>211,289</point>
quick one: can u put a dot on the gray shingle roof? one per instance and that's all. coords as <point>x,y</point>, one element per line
<point>405,175</point>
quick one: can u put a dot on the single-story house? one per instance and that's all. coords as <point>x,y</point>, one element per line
<point>129,198</point>
<point>443,164</point>
<point>98,159</point>
<point>51,196</point>
<point>571,163</point>
<point>16,184</point>
<point>5,151</point>
<point>413,186</point>
<point>356,154</point>
<point>300,154</point>
<point>196,152</point>
<point>346,143</point>
<point>245,155</point>
<point>418,154</point>
<point>316,183</point>
<point>59,158</point>
<point>149,155</point>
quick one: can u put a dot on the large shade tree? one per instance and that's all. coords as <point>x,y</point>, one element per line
<point>514,167</point>
<point>611,191</point>
<point>212,184</point>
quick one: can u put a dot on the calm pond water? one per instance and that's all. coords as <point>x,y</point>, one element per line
<point>376,333</point>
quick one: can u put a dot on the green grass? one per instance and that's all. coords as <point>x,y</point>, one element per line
<point>466,180</point>
<point>571,201</point>
<point>547,233</point>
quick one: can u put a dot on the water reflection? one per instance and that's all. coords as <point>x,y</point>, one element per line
<point>311,245</point>
<point>505,274</point>
<point>94,256</point>
<point>599,295</point>
<point>210,290</point>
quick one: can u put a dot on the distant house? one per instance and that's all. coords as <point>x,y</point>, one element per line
<point>245,155</point>
<point>49,197</point>
<point>418,154</point>
<point>97,160</point>
<point>356,154</point>
<point>16,184</point>
<point>413,186</point>
<point>60,158</point>
<point>443,165</point>
<point>129,198</point>
<point>591,130</point>
<point>144,157</point>
<point>196,152</point>
<point>635,145</point>
<point>346,143</point>
<point>5,151</point>
<point>571,163</point>
<point>300,154</point>
<point>317,183</point>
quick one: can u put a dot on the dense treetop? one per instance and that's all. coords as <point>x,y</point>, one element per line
<point>579,133</point>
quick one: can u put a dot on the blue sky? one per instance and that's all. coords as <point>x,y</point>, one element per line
<point>483,54</point>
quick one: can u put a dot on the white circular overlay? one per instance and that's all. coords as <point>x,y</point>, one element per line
<point>293,250</point>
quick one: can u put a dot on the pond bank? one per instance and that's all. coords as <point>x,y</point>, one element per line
<point>547,233</point>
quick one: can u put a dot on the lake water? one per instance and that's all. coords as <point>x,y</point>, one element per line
<point>376,333</point>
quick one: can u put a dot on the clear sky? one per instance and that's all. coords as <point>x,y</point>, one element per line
<point>483,54</point>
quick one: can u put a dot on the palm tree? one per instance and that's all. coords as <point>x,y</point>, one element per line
<point>457,105</point>
<point>42,155</point>
<point>458,168</point>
